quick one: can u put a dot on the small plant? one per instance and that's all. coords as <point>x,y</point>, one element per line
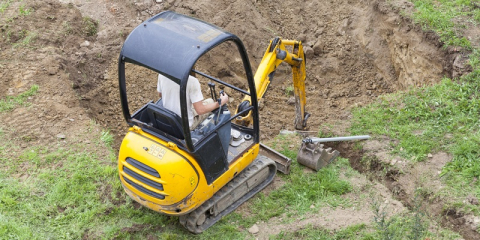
<point>289,90</point>
<point>67,28</point>
<point>4,5</point>
<point>24,11</point>
<point>89,26</point>
<point>107,138</point>
<point>419,228</point>
<point>381,221</point>
<point>28,38</point>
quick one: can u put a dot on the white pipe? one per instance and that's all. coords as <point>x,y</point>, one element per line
<point>336,139</point>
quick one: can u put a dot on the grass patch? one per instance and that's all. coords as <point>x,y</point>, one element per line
<point>107,138</point>
<point>10,102</point>
<point>27,38</point>
<point>302,189</point>
<point>24,11</point>
<point>447,18</point>
<point>444,117</point>
<point>89,26</point>
<point>359,231</point>
<point>4,4</point>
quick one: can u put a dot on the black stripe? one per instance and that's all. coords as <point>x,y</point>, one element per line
<point>144,190</point>
<point>142,167</point>
<point>143,179</point>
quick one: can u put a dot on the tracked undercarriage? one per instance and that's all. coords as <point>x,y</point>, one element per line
<point>244,186</point>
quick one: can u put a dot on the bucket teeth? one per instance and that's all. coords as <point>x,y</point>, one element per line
<point>314,156</point>
<point>328,155</point>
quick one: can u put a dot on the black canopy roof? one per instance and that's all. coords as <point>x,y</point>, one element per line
<point>171,43</point>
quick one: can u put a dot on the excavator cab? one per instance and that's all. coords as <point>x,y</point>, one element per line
<point>171,44</point>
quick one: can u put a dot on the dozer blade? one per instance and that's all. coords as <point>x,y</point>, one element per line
<point>314,156</point>
<point>244,186</point>
<point>282,161</point>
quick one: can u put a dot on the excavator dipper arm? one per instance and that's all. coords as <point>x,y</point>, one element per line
<point>275,54</point>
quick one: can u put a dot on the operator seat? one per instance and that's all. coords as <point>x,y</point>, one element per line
<point>165,120</point>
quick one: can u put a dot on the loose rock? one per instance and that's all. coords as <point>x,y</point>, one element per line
<point>317,48</point>
<point>85,44</point>
<point>308,51</point>
<point>254,229</point>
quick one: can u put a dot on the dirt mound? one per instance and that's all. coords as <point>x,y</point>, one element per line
<point>356,50</point>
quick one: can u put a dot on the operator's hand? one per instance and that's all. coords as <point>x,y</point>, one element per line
<point>224,98</point>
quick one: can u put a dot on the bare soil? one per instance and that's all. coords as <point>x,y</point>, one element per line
<point>356,50</point>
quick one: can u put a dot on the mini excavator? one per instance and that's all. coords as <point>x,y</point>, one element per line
<point>199,174</point>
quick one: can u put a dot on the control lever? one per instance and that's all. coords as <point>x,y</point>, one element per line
<point>219,100</point>
<point>212,90</point>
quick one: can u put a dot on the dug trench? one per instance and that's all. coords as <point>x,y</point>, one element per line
<point>404,180</point>
<point>356,50</point>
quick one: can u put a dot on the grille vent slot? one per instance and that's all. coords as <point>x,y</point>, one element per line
<point>142,167</point>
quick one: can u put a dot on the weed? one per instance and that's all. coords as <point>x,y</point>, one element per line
<point>11,102</point>
<point>107,138</point>
<point>24,11</point>
<point>289,90</point>
<point>4,5</point>
<point>67,28</point>
<point>419,228</point>
<point>89,26</point>
<point>325,134</point>
<point>382,223</point>
<point>28,38</point>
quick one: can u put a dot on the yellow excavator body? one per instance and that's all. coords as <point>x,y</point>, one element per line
<point>180,185</point>
<point>204,173</point>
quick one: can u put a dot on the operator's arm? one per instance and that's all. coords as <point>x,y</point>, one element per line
<point>202,109</point>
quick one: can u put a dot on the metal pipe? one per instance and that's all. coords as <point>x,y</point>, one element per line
<point>335,139</point>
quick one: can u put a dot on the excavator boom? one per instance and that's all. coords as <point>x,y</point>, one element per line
<point>275,54</point>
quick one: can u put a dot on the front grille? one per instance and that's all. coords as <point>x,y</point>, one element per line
<point>143,179</point>
<point>144,190</point>
<point>142,167</point>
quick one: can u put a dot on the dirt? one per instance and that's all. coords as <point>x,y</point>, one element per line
<point>415,182</point>
<point>359,58</point>
<point>356,51</point>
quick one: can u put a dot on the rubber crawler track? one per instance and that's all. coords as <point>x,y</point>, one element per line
<point>189,221</point>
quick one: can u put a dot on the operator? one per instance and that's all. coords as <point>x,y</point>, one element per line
<point>198,109</point>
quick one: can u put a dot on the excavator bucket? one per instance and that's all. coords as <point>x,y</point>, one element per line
<point>315,156</point>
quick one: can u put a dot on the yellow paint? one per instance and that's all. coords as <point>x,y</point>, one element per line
<point>185,186</point>
<point>269,63</point>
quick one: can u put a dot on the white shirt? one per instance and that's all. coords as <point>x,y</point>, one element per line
<point>171,95</point>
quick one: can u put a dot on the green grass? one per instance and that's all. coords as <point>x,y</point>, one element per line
<point>444,117</point>
<point>24,11</point>
<point>27,38</point>
<point>11,102</point>
<point>89,26</point>
<point>448,18</point>
<point>107,138</point>
<point>359,231</point>
<point>302,189</point>
<point>4,4</point>
<point>65,192</point>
